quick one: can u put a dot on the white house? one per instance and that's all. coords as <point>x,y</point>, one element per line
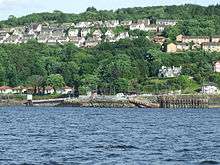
<point>170,71</point>
<point>65,90</point>
<point>5,90</point>
<point>83,24</point>
<point>217,67</point>
<point>166,22</point>
<point>112,23</point>
<point>73,32</point>
<point>137,26</point>
<point>84,32</point>
<point>209,89</point>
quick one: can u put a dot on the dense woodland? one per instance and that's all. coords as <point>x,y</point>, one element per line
<point>129,66</point>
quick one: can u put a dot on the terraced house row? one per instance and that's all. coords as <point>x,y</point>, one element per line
<point>82,34</point>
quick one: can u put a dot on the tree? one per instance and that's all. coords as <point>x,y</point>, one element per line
<point>55,81</point>
<point>36,81</point>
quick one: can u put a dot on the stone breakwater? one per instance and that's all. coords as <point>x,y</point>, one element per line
<point>111,103</point>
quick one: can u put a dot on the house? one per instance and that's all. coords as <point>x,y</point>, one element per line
<point>65,90</point>
<point>3,36</point>
<point>217,67</point>
<point>166,22</point>
<point>151,28</point>
<point>215,39</point>
<point>97,33</point>
<point>170,71</point>
<point>210,90</point>
<point>146,22</point>
<point>42,38</point>
<point>111,23</point>
<point>33,28</point>
<point>85,32</point>
<point>126,23</point>
<point>171,48</point>
<point>78,41</point>
<point>160,28</point>
<point>48,90</point>
<point>62,40</point>
<point>52,41</point>
<point>19,90</point>
<point>92,42</point>
<point>83,25</point>
<point>5,90</point>
<point>193,39</point>
<point>73,32</point>
<point>13,39</point>
<point>97,24</point>
<point>211,46</point>
<point>122,36</point>
<point>59,32</point>
<point>109,34</point>
<point>26,37</point>
<point>181,47</point>
<point>159,39</point>
<point>137,26</point>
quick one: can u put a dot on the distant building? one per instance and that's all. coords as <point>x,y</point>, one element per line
<point>211,46</point>
<point>179,47</point>
<point>159,39</point>
<point>111,23</point>
<point>73,32</point>
<point>170,71</point>
<point>193,39</point>
<point>171,48</point>
<point>166,22</point>
<point>217,67</point>
<point>209,89</point>
<point>5,90</point>
<point>215,39</point>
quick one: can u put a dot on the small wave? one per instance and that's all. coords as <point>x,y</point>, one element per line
<point>122,147</point>
<point>208,162</point>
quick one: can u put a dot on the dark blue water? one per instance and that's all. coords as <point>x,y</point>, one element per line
<point>109,136</point>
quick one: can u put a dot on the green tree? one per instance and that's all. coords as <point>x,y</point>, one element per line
<point>55,81</point>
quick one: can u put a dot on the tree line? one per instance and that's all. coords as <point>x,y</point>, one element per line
<point>129,66</point>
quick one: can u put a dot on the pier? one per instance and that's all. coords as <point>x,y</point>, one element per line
<point>183,101</point>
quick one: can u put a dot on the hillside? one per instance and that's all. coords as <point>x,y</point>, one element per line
<point>131,60</point>
<point>182,12</point>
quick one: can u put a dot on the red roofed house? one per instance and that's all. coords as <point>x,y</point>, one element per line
<point>5,90</point>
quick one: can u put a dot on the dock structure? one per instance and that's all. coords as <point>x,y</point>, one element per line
<point>45,102</point>
<point>183,101</point>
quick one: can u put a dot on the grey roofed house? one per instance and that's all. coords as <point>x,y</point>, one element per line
<point>92,42</point>
<point>42,38</point>
<point>73,32</point>
<point>63,39</point>
<point>166,22</point>
<point>83,24</point>
<point>97,24</point>
<point>58,32</point>
<point>126,23</point>
<point>146,22</point>
<point>52,41</point>
<point>112,23</point>
<point>14,39</point>
<point>27,37</point>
